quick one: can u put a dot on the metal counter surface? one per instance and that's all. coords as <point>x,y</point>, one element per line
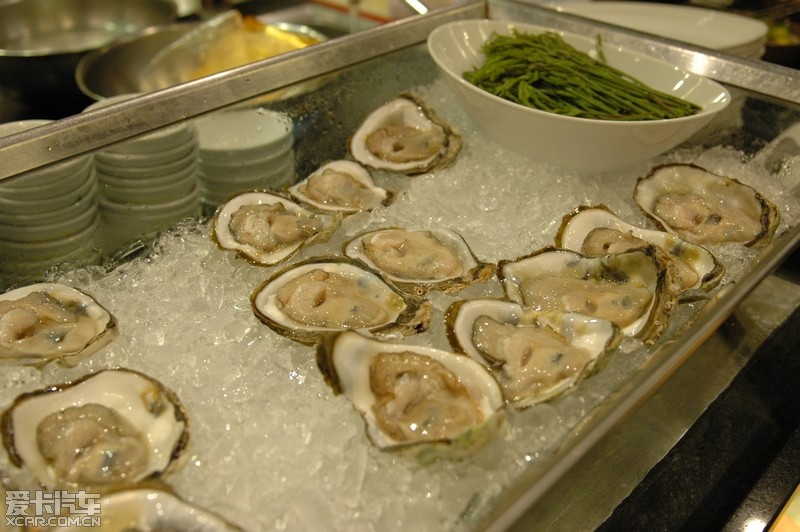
<point>693,455</point>
<point>613,453</point>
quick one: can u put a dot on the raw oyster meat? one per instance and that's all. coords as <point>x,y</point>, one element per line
<point>320,296</point>
<point>535,356</point>
<point>406,137</point>
<point>48,321</point>
<point>110,429</point>
<point>417,261</point>
<point>706,208</point>
<point>630,289</point>
<point>430,402</point>
<point>148,508</point>
<point>343,186</point>
<point>267,229</point>
<point>596,230</point>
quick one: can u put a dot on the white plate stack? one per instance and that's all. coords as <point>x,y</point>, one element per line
<point>147,184</point>
<point>710,28</point>
<point>48,216</point>
<point>243,149</point>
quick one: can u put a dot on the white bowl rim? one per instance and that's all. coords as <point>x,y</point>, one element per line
<point>711,28</point>
<point>152,208</point>
<point>81,191</point>
<point>65,242</point>
<point>525,27</point>
<point>82,219</point>
<point>274,139</point>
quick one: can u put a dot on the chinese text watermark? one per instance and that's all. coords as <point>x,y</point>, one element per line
<point>26,508</point>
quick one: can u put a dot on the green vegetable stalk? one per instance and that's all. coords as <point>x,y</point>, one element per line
<point>544,72</point>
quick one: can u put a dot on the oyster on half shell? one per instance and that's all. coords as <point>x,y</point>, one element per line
<point>630,289</point>
<point>596,230</point>
<point>706,208</point>
<point>320,296</point>
<point>418,261</point>
<point>340,186</point>
<point>266,228</point>
<point>110,429</point>
<point>152,508</point>
<point>535,356</point>
<point>404,136</point>
<point>48,321</point>
<point>427,401</point>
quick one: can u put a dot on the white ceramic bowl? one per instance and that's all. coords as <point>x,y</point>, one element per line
<point>246,171</point>
<point>154,142</point>
<point>147,182</point>
<point>49,231</point>
<point>20,271</point>
<point>34,186</point>
<point>58,247</point>
<point>125,222</point>
<point>129,210</point>
<point>35,218</point>
<point>154,195</point>
<point>48,205</point>
<point>711,28</point>
<point>243,134</point>
<point>144,172</point>
<point>155,158</point>
<point>579,144</point>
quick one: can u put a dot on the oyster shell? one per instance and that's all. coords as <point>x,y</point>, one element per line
<point>706,208</point>
<point>267,229</point>
<point>418,261</point>
<point>596,230</point>
<point>48,321</point>
<point>109,429</point>
<point>340,186</point>
<point>404,136</point>
<point>153,508</point>
<point>321,296</point>
<point>431,402</point>
<point>535,356</point>
<point>630,289</point>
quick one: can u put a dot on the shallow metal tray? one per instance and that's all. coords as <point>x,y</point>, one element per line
<point>771,93</point>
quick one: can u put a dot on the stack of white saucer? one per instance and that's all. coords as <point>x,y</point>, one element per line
<point>48,216</point>
<point>148,183</point>
<point>243,149</point>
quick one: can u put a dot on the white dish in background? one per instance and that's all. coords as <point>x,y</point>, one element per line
<point>36,218</point>
<point>41,251</point>
<point>132,171</point>
<point>246,171</point>
<point>36,185</point>
<point>126,222</point>
<point>151,195</point>
<point>50,231</point>
<point>579,144</point>
<point>166,156</point>
<point>154,142</point>
<point>243,134</point>
<point>709,28</point>
<point>53,203</point>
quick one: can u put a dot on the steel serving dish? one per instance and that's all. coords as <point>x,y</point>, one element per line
<point>374,65</point>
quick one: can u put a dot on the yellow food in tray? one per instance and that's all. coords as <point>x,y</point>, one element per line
<point>247,41</point>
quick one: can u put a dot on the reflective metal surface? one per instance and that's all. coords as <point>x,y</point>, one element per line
<point>681,378</point>
<point>85,132</point>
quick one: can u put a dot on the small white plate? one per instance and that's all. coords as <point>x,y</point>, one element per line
<point>243,134</point>
<point>693,25</point>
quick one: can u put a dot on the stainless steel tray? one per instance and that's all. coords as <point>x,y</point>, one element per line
<point>358,72</point>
